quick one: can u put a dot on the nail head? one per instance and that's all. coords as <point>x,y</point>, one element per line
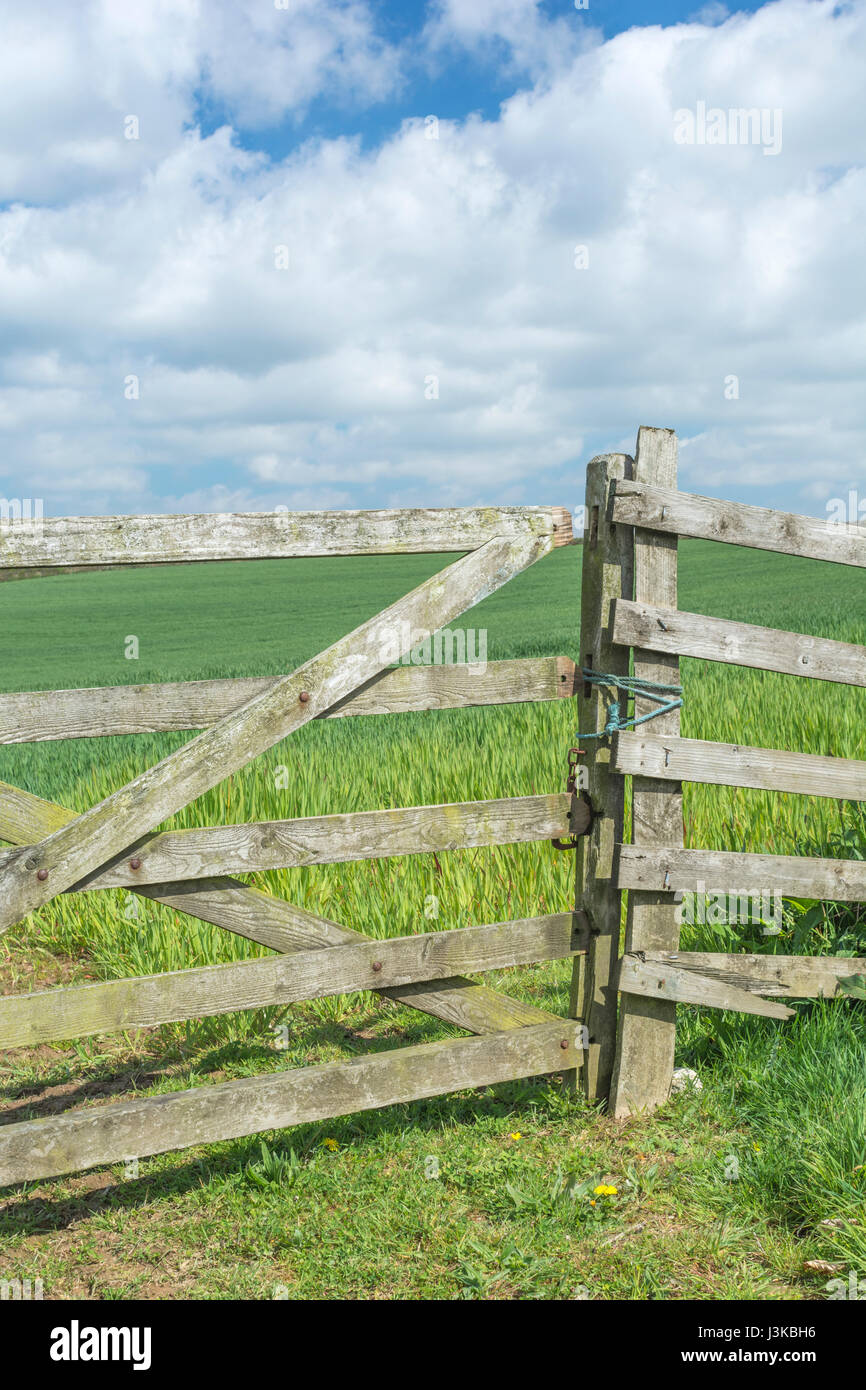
<point>304,696</point>
<point>42,874</point>
<point>135,863</point>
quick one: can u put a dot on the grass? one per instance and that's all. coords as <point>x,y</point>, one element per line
<point>505,1217</point>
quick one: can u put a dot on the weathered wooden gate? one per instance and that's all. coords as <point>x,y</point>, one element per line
<point>112,845</point>
<point>621,1028</point>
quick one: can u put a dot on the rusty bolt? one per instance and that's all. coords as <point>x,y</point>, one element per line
<point>135,863</point>
<point>42,874</point>
<point>304,696</point>
<point>377,965</point>
<point>564,1044</point>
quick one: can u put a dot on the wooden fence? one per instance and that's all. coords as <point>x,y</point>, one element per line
<point>629,602</point>
<point>630,607</point>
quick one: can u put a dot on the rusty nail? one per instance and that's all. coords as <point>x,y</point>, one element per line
<point>42,874</point>
<point>377,965</point>
<point>564,1044</point>
<point>304,696</point>
<point>135,863</point>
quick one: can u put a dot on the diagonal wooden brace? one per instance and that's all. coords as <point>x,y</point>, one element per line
<point>34,874</point>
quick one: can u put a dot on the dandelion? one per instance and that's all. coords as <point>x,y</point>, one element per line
<point>516,1135</point>
<point>331,1145</point>
<point>604,1189</point>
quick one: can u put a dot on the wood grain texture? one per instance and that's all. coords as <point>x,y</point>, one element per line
<point>647,1025</point>
<point>736,765</point>
<point>101,1134</point>
<point>37,716</point>
<point>27,1020</point>
<point>607,574</point>
<point>759,528</point>
<point>103,542</point>
<point>75,850</point>
<point>791,977</point>
<point>259,846</point>
<point>660,629</point>
<point>283,926</point>
<point>651,979</point>
<point>666,870</point>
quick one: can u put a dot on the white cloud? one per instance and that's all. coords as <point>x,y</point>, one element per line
<point>72,75</point>
<point>517,33</point>
<point>450,259</point>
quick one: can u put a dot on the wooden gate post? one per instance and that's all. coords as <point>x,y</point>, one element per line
<point>607,575</point>
<point>647,1027</point>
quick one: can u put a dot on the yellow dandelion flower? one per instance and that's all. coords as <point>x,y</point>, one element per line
<point>330,1144</point>
<point>516,1135</point>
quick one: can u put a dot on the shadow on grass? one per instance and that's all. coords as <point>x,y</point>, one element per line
<point>38,1213</point>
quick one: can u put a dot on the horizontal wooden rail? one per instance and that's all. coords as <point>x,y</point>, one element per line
<point>35,716</point>
<point>735,765</point>
<point>102,1134</point>
<point>77,1012</point>
<point>758,528</point>
<point>786,977</point>
<point>282,926</point>
<point>104,542</point>
<point>738,644</point>
<point>670,870</point>
<point>654,979</point>
<point>337,839</point>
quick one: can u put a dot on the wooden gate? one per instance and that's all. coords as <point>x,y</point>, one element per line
<point>621,1028</point>
<point>113,844</point>
<point>630,607</point>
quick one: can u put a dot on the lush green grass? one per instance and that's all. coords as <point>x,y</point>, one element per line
<point>507,1217</point>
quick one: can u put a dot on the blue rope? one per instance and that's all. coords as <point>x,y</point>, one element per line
<point>633,686</point>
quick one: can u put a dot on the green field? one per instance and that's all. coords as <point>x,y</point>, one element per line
<point>506,1217</point>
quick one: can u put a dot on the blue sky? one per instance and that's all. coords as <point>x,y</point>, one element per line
<point>336,254</point>
<point>460,83</point>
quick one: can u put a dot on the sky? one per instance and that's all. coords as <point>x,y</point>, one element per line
<point>325,253</point>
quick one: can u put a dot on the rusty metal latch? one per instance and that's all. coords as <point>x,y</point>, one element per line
<point>574,755</point>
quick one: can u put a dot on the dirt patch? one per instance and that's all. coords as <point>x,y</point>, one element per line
<point>21,974</point>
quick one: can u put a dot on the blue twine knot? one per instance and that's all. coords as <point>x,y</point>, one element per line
<point>634,687</point>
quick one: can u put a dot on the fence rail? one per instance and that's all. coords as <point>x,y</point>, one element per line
<point>29,1019</point>
<point>738,644</point>
<point>759,528</point>
<point>103,1134</point>
<point>36,716</point>
<point>100,542</point>
<point>737,765</point>
<point>256,847</point>
<point>666,870</point>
